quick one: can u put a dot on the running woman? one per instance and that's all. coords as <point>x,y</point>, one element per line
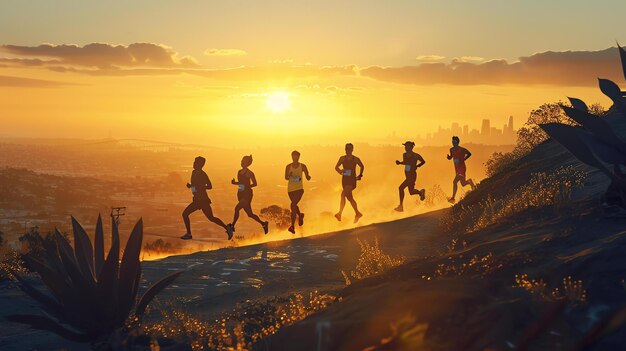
<point>348,163</point>
<point>410,161</point>
<point>459,155</point>
<point>295,190</point>
<point>245,182</point>
<point>199,185</point>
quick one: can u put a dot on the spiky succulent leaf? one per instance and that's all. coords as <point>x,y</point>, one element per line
<point>48,303</point>
<point>129,269</point>
<point>566,136</point>
<point>596,126</point>
<point>108,280</point>
<point>154,290</point>
<point>83,250</point>
<point>613,91</point>
<point>578,104</point>
<point>622,56</point>
<point>72,268</point>
<point>98,248</point>
<point>45,323</point>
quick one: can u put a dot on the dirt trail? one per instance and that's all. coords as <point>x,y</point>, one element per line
<point>215,281</point>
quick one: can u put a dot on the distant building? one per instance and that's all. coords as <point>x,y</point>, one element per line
<point>485,130</point>
<point>486,135</point>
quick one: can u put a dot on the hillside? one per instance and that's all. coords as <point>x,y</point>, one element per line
<point>541,278</point>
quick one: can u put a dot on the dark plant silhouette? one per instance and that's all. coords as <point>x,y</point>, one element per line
<point>281,217</point>
<point>90,295</point>
<point>593,141</point>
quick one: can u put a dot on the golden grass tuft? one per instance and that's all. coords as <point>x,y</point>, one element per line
<point>372,261</point>
<point>240,329</point>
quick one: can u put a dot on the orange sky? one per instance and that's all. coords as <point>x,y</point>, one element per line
<point>273,75</point>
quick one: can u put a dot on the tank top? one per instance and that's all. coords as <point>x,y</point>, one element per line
<point>349,166</point>
<point>295,178</point>
<point>458,156</point>
<point>244,180</point>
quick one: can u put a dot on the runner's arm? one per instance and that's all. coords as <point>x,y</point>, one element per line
<point>338,164</point>
<point>467,154</point>
<point>421,160</point>
<point>253,178</point>
<point>306,172</point>
<point>401,162</point>
<point>360,164</point>
<point>209,186</point>
<point>449,155</point>
<point>287,172</point>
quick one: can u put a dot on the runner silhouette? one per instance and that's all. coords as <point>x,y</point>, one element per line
<point>245,182</point>
<point>410,161</point>
<point>458,155</point>
<point>295,190</point>
<point>348,164</point>
<point>199,184</point>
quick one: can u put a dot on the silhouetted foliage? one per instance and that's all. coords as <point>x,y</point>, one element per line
<point>36,243</point>
<point>90,295</point>
<point>530,134</point>
<point>594,142</point>
<point>281,217</point>
<point>160,246</point>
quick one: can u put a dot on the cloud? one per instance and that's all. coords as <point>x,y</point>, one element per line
<point>225,52</point>
<point>571,68</point>
<point>430,58</point>
<point>102,55</point>
<point>469,59</point>
<point>8,81</point>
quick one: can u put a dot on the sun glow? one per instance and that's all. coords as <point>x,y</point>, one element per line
<point>278,102</point>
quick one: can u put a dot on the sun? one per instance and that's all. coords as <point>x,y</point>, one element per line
<point>278,102</point>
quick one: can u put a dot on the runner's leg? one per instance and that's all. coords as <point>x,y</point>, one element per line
<point>248,209</point>
<point>208,212</point>
<point>186,212</point>
<point>401,191</point>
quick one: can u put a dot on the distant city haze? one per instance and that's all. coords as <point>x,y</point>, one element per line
<point>487,134</point>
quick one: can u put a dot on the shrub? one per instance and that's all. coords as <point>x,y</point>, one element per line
<point>530,134</point>
<point>91,296</point>
<point>281,217</point>
<point>160,246</point>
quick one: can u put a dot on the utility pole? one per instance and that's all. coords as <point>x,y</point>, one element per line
<point>116,213</point>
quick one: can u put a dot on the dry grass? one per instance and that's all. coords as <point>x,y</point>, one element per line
<point>435,196</point>
<point>372,261</point>
<point>572,290</point>
<point>481,265</point>
<point>239,330</point>
<point>11,262</point>
<point>543,189</point>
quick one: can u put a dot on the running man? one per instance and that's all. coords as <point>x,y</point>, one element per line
<point>295,190</point>
<point>458,155</point>
<point>200,183</point>
<point>245,182</point>
<point>410,161</point>
<point>348,164</point>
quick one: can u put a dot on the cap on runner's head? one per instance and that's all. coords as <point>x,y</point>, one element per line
<point>409,143</point>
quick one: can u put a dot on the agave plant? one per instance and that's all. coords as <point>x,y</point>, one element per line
<point>90,295</point>
<point>594,142</point>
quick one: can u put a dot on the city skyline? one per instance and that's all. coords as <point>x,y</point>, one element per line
<point>486,133</point>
